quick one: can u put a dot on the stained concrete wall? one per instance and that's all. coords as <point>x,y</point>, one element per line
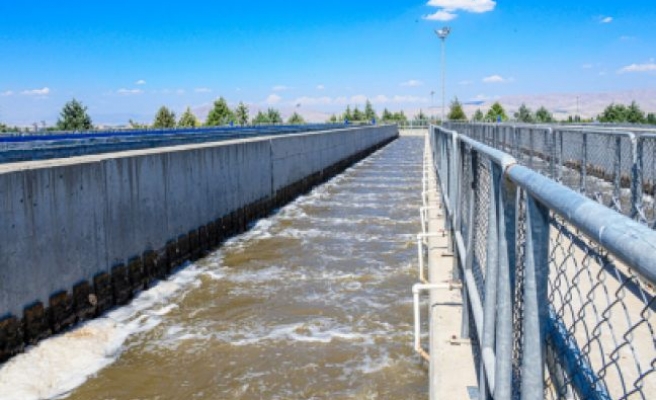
<point>67,221</point>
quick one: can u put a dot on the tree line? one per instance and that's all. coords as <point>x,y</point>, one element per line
<point>613,113</point>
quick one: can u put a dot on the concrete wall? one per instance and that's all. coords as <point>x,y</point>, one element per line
<point>82,221</point>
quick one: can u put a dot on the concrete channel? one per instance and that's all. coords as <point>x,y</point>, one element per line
<point>84,234</point>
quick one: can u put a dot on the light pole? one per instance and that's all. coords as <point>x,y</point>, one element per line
<point>442,34</point>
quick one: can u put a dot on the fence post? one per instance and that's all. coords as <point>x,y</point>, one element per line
<point>636,177</point>
<point>536,311</point>
<point>617,175</point>
<point>584,164</point>
<point>507,194</point>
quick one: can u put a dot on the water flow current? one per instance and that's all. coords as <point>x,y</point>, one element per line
<point>313,302</point>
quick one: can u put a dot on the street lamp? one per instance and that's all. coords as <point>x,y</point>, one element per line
<point>442,34</point>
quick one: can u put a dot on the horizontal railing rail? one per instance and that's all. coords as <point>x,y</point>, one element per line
<point>558,288</point>
<point>614,166</point>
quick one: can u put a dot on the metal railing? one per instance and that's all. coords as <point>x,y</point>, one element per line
<point>615,166</point>
<point>557,288</point>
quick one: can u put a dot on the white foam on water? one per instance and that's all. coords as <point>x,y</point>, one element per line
<point>58,365</point>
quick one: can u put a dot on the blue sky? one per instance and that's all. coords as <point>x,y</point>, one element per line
<point>125,59</point>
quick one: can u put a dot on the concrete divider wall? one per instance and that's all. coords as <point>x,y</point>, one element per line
<point>80,235</point>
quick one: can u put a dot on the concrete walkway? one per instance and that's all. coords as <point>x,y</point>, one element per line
<point>452,370</point>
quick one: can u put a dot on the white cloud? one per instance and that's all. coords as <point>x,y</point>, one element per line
<point>465,83</point>
<point>37,92</point>
<point>273,99</point>
<point>129,92</point>
<point>648,67</point>
<point>6,93</point>
<point>440,15</point>
<point>477,6</point>
<point>320,87</point>
<point>314,101</point>
<point>495,79</point>
<point>587,66</point>
<point>140,82</point>
<point>203,90</point>
<point>412,83</point>
<point>606,20</point>
<point>448,8</point>
<point>279,88</point>
<point>180,92</point>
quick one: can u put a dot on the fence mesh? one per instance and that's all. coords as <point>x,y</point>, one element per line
<point>601,323</point>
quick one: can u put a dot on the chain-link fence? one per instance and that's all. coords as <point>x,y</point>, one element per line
<point>559,288</point>
<point>616,167</point>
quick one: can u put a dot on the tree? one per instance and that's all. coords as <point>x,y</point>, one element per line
<point>74,117</point>
<point>274,116</point>
<point>478,116</point>
<point>220,114</point>
<point>347,114</point>
<point>295,119</point>
<point>634,114</point>
<point>369,112</point>
<point>542,115</point>
<point>456,113</point>
<point>164,118</point>
<point>261,119</point>
<point>333,119</point>
<point>524,114</point>
<point>496,112</point>
<point>399,117</point>
<point>188,120</point>
<point>651,119</point>
<point>387,116</point>
<point>241,114</point>
<point>357,114</point>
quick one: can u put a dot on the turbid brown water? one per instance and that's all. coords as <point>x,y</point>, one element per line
<point>312,303</point>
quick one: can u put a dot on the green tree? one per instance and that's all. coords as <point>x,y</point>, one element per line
<point>496,111</point>
<point>357,114</point>
<point>369,112</point>
<point>421,116</point>
<point>220,114</point>
<point>542,115</point>
<point>387,116</point>
<point>478,116</point>
<point>74,117</point>
<point>524,114</point>
<point>241,114</point>
<point>614,113</point>
<point>295,119</point>
<point>274,116</point>
<point>164,118</point>
<point>634,114</point>
<point>333,119</point>
<point>456,113</point>
<point>651,119</point>
<point>347,114</point>
<point>399,116</point>
<point>188,119</point>
<point>261,118</point>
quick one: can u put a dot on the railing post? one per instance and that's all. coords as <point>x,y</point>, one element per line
<point>617,175</point>
<point>636,177</point>
<point>536,311</point>
<point>507,194</point>
<point>584,164</point>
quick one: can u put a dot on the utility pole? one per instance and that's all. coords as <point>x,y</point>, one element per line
<point>442,34</point>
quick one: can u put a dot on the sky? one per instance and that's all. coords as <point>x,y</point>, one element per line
<point>125,59</point>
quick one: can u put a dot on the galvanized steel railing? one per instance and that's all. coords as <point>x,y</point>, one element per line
<point>614,166</point>
<point>558,289</point>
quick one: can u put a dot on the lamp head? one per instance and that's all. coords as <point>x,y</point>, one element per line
<point>443,33</point>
